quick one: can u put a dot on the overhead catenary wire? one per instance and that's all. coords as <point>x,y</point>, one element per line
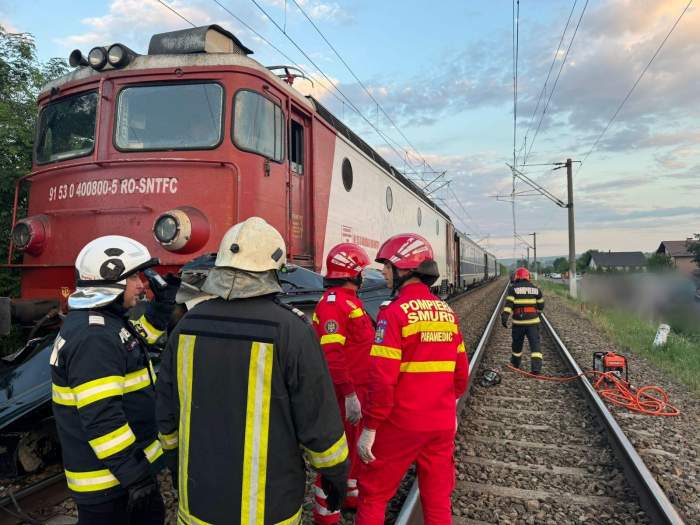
<point>362,85</point>
<point>174,11</point>
<point>556,81</point>
<point>313,63</point>
<point>546,81</point>
<point>629,93</point>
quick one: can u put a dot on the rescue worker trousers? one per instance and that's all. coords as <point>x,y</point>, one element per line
<point>396,449</point>
<point>114,513</point>
<point>532,332</point>
<point>322,516</point>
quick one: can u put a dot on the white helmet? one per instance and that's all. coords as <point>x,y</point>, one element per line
<point>252,245</point>
<point>102,267</point>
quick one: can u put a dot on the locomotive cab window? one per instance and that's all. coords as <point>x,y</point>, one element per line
<point>169,116</point>
<point>296,148</point>
<point>258,125</point>
<point>66,128</point>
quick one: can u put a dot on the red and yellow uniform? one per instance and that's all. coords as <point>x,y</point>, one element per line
<point>346,334</point>
<point>418,370</point>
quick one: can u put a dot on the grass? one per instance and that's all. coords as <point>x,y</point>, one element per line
<point>680,357</point>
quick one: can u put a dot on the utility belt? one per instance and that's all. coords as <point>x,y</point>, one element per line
<point>525,310</point>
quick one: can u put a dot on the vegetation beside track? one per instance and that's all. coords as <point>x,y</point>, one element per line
<point>679,357</point>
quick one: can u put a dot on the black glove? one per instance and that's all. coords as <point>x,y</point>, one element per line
<point>164,288</point>
<point>504,319</point>
<point>140,494</point>
<point>335,488</point>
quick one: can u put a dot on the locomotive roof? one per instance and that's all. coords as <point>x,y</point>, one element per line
<point>142,62</point>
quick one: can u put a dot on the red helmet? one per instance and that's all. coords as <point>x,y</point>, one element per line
<point>345,261</point>
<point>406,251</point>
<point>522,274</point>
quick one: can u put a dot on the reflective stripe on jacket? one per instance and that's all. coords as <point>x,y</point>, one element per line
<point>104,404</point>
<point>418,363</point>
<point>346,334</point>
<point>243,392</point>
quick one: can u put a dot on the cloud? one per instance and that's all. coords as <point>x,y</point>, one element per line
<point>317,10</point>
<point>132,22</point>
<point>614,43</point>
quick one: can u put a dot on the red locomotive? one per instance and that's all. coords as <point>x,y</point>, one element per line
<point>173,147</point>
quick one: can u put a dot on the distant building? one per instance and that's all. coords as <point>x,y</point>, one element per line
<point>618,261</point>
<point>679,254</point>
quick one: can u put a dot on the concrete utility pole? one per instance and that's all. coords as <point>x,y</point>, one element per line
<point>528,257</point>
<point>572,239</point>
<point>534,249</point>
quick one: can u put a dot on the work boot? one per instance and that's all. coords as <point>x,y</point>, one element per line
<point>515,361</point>
<point>536,366</point>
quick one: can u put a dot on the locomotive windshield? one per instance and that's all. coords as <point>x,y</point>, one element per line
<point>169,116</point>
<point>67,128</point>
<point>258,125</point>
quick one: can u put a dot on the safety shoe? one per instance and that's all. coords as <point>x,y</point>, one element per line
<point>535,372</point>
<point>515,362</point>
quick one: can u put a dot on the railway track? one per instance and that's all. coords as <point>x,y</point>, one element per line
<point>532,451</point>
<point>33,502</point>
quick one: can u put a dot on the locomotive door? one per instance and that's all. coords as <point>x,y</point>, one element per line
<point>299,184</point>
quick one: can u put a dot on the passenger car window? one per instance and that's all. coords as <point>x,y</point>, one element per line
<point>66,128</point>
<point>169,116</point>
<point>258,125</point>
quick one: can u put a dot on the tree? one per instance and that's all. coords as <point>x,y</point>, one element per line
<point>560,264</point>
<point>521,263</point>
<point>584,260</point>
<point>694,248</point>
<point>21,78</point>
<point>659,262</point>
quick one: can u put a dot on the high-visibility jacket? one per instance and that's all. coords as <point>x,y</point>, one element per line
<point>418,365</point>
<point>346,334</point>
<point>104,401</point>
<point>243,387</point>
<point>525,302</point>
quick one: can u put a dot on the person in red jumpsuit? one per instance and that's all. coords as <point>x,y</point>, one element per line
<point>418,369</point>
<point>346,333</point>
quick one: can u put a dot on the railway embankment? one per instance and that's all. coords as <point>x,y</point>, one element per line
<point>669,446</point>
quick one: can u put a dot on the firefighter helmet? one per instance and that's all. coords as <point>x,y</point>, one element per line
<point>253,246</point>
<point>346,261</point>
<point>102,267</point>
<point>408,251</point>
<point>522,274</point>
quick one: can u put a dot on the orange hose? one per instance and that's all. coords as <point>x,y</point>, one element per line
<point>650,400</point>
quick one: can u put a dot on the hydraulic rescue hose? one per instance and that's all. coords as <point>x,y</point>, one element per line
<point>621,393</point>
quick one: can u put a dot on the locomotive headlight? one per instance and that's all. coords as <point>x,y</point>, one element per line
<point>119,55</point>
<point>29,235</point>
<point>181,230</point>
<point>97,57</point>
<point>165,229</point>
<point>21,235</point>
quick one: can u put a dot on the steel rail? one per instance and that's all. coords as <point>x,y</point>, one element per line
<point>652,498</point>
<point>411,512</point>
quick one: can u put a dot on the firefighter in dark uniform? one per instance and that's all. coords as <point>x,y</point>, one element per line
<point>524,300</point>
<point>103,386</point>
<point>244,390</point>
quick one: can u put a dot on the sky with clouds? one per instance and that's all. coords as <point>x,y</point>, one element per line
<point>440,83</point>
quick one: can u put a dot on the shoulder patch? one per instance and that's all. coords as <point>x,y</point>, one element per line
<point>331,326</point>
<point>330,298</point>
<point>95,319</point>
<point>379,333</point>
